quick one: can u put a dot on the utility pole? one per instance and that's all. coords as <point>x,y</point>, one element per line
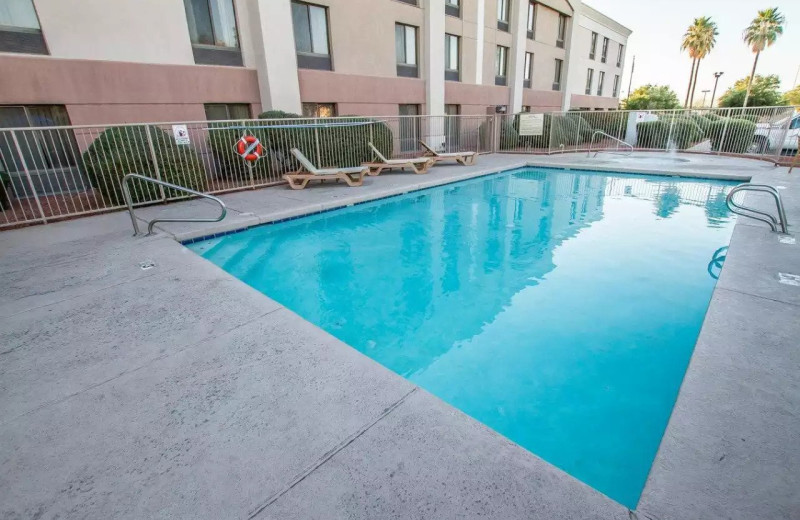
<point>630,81</point>
<point>705,92</point>
<point>716,80</point>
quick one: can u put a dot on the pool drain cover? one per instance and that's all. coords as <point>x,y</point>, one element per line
<point>147,265</point>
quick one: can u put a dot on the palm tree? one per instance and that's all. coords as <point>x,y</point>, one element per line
<point>699,39</point>
<point>760,34</point>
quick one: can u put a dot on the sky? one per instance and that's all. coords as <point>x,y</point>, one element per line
<point>658,27</point>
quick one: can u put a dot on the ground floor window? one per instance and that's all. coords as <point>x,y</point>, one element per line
<point>452,127</point>
<point>227,111</point>
<point>42,149</point>
<point>319,109</point>
<point>409,127</point>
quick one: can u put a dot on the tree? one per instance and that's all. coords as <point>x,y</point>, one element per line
<point>792,97</point>
<point>651,97</point>
<point>760,34</point>
<point>764,92</point>
<point>699,39</point>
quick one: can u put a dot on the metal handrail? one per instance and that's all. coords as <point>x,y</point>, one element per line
<point>765,217</point>
<point>596,132</point>
<point>126,194</point>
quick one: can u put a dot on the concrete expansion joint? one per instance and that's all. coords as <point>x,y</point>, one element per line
<point>329,455</point>
<point>640,515</point>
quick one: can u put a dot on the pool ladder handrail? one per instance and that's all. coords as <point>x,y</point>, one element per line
<point>126,194</point>
<point>757,214</point>
<point>591,144</point>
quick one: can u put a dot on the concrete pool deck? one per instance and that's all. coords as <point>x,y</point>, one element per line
<point>179,392</point>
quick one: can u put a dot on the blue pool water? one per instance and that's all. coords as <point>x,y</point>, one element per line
<point>560,308</point>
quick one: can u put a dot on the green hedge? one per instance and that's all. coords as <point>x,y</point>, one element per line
<point>657,134</point>
<point>736,138</point>
<point>119,151</point>
<point>749,117</point>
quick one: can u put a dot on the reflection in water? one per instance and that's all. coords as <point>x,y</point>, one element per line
<point>559,308</point>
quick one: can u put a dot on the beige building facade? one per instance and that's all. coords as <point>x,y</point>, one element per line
<point>130,61</point>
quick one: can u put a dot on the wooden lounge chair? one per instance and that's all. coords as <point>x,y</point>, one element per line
<point>418,164</point>
<point>353,176</point>
<point>465,158</point>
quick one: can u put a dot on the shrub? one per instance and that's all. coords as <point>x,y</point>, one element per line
<point>749,117</point>
<point>5,190</point>
<point>535,141</point>
<point>229,165</point>
<point>736,138</point>
<point>652,134</point>
<point>711,116</point>
<point>509,137</point>
<point>702,122</point>
<point>119,151</point>
<point>613,123</point>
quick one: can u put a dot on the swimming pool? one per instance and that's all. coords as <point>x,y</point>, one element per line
<point>558,307</point>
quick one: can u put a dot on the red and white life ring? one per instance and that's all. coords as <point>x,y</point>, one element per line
<point>246,143</point>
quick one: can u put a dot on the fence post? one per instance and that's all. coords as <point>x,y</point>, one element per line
<point>724,131</point>
<point>782,139</point>
<point>316,143</point>
<point>28,176</point>
<point>154,159</point>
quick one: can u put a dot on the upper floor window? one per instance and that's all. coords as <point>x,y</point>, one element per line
<point>451,57</point>
<point>19,28</point>
<point>452,8</point>
<point>593,46</point>
<point>557,77</point>
<point>503,8</point>
<point>615,89</point>
<point>227,111</point>
<point>310,24</point>
<point>412,2</point>
<point>501,65</point>
<point>589,77</point>
<point>562,30</point>
<point>604,55</point>
<point>600,80</point>
<point>528,73</point>
<point>405,44</point>
<point>532,20</point>
<point>619,55</point>
<point>212,30</point>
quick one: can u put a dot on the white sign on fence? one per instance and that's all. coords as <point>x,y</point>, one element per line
<point>181,134</point>
<point>531,124</point>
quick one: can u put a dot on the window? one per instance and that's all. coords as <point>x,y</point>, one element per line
<point>502,14</point>
<point>319,109</point>
<point>528,70</point>
<point>589,77</point>
<point>619,55</point>
<point>212,30</point>
<point>795,124</point>
<point>532,20</point>
<point>452,8</point>
<point>593,47</point>
<point>19,28</point>
<point>604,56</point>
<point>452,128</point>
<point>410,127</point>
<point>227,111</point>
<point>562,30</point>
<point>405,44</point>
<point>51,152</point>
<point>615,91</point>
<point>310,24</point>
<point>557,77</point>
<point>451,57</point>
<point>600,80</point>
<point>412,2</point>
<point>501,65</point>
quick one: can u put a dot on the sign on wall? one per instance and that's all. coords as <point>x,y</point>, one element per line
<point>181,134</point>
<point>531,124</point>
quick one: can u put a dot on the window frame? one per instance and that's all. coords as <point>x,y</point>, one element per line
<point>589,80</point>
<point>334,109</point>
<point>313,60</point>
<point>503,15</point>
<point>558,74</point>
<point>527,72</point>
<point>407,70</point>
<point>452,8</point>
<point>228,106</point>
<point>615,89</point>
<point>593,46</point>
<point>452,74</point>
<point>531,21</point>
<point>601,79</point>
<point>24,40</point>
<point>604,51</point>
<point>619,54</point>
<point>501,55</point>
<point>561,34</point>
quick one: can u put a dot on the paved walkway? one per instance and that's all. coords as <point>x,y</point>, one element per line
<point>179,392</point>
